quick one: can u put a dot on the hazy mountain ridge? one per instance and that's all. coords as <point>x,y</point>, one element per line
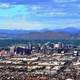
<point>69,30</point>
<point>66,33</point>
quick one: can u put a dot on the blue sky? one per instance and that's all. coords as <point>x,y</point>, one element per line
<point>39,14</point>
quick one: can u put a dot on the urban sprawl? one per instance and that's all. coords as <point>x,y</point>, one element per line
<point>48,61</point>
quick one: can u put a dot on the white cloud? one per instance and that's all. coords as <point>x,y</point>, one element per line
<point>5,5</point>
<point>53,14</point>
<point>22,25</point>
<point>36,7</point>
<point>64,1</point>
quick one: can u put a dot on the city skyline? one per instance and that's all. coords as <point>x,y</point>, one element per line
<point>39,14</point>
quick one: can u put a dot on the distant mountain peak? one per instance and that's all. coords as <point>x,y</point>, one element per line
<point>71,30</point>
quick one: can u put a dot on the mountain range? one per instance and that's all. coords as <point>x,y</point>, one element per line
<point>65,33</point>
